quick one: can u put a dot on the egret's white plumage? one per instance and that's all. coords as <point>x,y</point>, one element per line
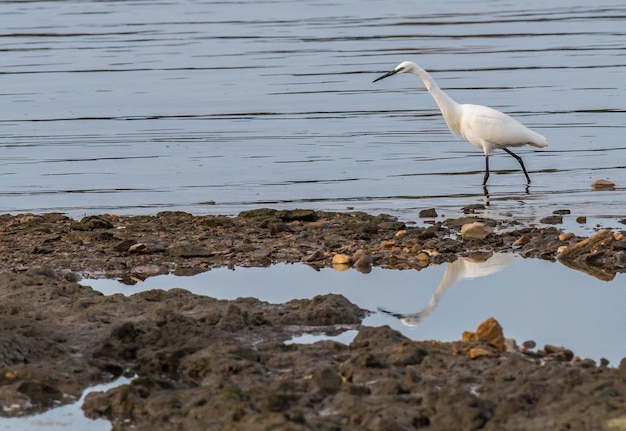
<point>482,126</point>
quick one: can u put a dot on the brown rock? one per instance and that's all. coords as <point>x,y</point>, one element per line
<point>488,331</point>
<point>342,259</point>
<point>602,184</point>
<point>428,213</point>
<point>475,230</point>
<point>479,352</point>
<point>522,240</point>
<point>553,219</point>
<point>588,245</point>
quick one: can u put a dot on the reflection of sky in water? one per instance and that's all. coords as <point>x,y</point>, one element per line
<point>531,298</point>
<point>69,417</point>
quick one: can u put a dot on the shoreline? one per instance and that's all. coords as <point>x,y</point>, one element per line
<point>204,363</point>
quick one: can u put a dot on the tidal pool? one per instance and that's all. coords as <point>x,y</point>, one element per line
<point>64,418</point>
<point>531,298</point>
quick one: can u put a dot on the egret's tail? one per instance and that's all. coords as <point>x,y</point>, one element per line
<point>538,141</point>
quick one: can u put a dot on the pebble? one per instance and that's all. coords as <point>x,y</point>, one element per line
<point>529,344</point>
<point>479,352</point>
<point>522,240</point>
<point>561,212</point>
<point>565,236</point>
<point>581,219</point>
<point>423,256</point>
<point>401,233</point>
<point>553,219</point>
<point>428,213</point>
<point>602,184</point>
<point>471,209</point>
<point>341,259</point>
<point>475,230</point>
<point>316,255</point>
<point>558,352</point>
<point>137,247</point>
<point>362,260</point>
<point>488,331</point>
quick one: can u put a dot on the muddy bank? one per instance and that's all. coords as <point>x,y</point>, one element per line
<point>202,363</point>
<point>142,246</point>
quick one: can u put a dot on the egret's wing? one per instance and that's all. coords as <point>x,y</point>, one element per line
<point>497,128</point>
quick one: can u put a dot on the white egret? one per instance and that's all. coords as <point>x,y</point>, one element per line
<point>482,126</point>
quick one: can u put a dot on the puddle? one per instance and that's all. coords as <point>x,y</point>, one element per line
<point>67,417</point>
<point>532,299</point>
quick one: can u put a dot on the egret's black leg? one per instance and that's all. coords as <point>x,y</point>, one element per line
<point>519,159</point>
<point>486,170</point>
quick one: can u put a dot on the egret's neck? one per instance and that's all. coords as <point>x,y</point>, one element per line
<point>449,108</point>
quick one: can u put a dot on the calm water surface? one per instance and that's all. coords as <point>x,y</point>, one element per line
<point>531,298</point>
<point>217,107</point>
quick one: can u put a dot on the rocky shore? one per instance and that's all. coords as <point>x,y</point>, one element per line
<point>201,363</point>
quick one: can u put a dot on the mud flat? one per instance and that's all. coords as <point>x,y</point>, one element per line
<point>201,363</point>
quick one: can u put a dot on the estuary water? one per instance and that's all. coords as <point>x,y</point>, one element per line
<point>217,107</point>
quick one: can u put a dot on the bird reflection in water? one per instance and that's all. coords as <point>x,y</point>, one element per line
<point>475,266</point>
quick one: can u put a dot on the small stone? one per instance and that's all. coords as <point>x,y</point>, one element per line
<point>622,367</point>
<point>475,230</point>
<point>423,256</point>
<point>489,331</point>
<point>561,249</point>
<point>565,236</point>
<point>362,261</point>
<point>471,209</point>
<point>135,248</point>
<point>559,353</point>
<point>529,344</point>
<point>522,240</point>
<point>428,213</point>
<point>553,219</point>
<point>479,352</point>
<point>561,212</point>
<point>387,244</point>
<point>581,219</point>
<point>602,184</point>
<point>400,233</point>
<point>618,236</point>
<point>510,345</point>
<point>342,259</point>
<point>316,255</point>
<point>604,362</point>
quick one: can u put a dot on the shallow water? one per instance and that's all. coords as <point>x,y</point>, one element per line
<point>67,417</point>
<point>531,298</point>
<point>216,107</point>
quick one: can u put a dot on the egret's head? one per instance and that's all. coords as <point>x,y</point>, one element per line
<point>405,66</point>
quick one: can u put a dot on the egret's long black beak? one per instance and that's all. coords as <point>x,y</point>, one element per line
<point>393,72</point>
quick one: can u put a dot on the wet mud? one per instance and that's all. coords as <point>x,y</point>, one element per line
<point>201,363</point>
